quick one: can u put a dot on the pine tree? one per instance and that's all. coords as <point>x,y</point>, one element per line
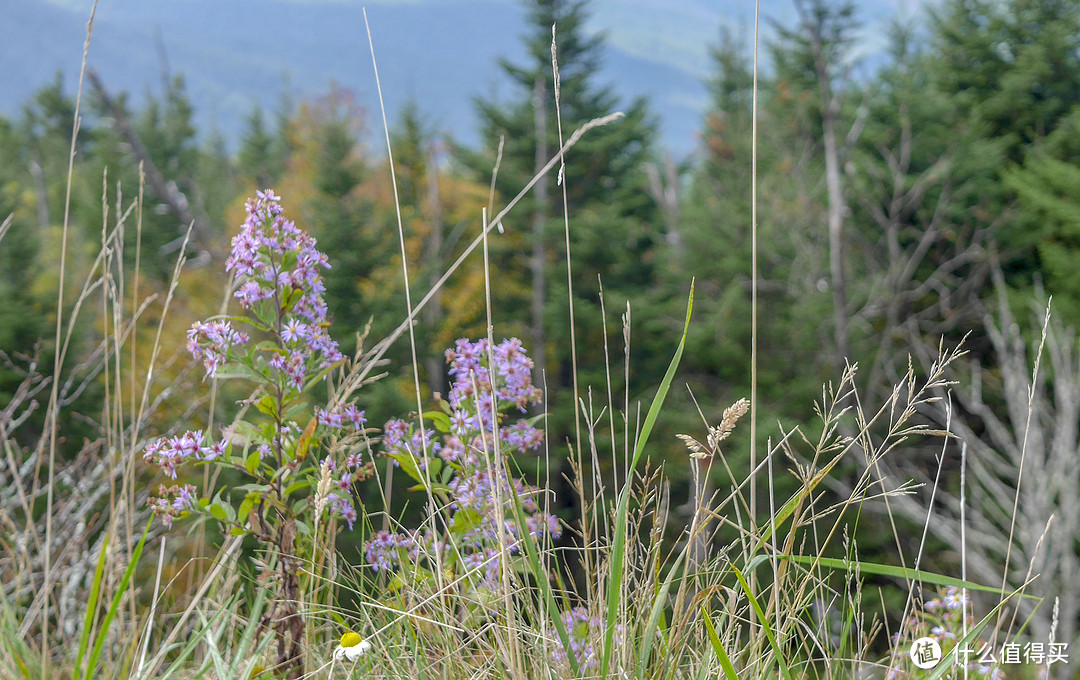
<point>257,157</point>
<point>611,214</point>
<point>1011,72</point>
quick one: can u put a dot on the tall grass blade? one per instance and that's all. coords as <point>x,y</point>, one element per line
<point>91,607</point>
<point>656,613</point>
<point>890,570</point>
<point>121,589</point>
<point>540,575</point>
<point>618,546</point>
<point>718,646</point>
<point>764,622</point>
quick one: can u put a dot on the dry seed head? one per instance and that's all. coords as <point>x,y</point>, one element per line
<point>322,491</point>
<point>696,449</point>
<point>716,434</point>
<point>727,422</point>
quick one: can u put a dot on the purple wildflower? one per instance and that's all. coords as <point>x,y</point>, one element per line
<point>384,551</point>
<point>273,259</point>
<point>172,502</point>
<point>585,632</point>
<point>342,507</point>
<point>210,342</point>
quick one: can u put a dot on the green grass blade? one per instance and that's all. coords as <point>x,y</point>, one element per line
<point>253,623</point>
<point>618,546</point>
<point>117,597</point>
<point>948,662</point>
<point>193,641</point>
<point>91,607</point>
<point>213,653</point>
<point>705,669</point>
<point>764,621</point>
<point>657,611</point>
<point>541,578</point>
<point>886,570</point>
<point>718,646</point>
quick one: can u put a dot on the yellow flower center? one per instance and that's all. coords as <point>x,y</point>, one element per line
<point>350,639</point>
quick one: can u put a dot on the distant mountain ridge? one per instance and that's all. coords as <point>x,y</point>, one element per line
<point>236,54</point>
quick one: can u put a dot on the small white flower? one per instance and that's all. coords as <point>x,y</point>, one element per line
<point>352,647</point>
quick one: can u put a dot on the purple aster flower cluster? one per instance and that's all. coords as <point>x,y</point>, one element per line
<point>273,259</point>
<point>341,505</point>
<point>354,469</point>
<point>385,550</point>
<point>405,438</point>
<point>475,491</point>
<point>167,453</point>
<point>210,342</point>
<point>277,268</point>
<point>341,418</point>
<point>943,620</point>
<point>507,380</point>
<point>585,632</point>
<point>344,420</point>
<point>173,502</point>
<point>479,398</point>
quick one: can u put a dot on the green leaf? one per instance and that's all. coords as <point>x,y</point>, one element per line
<point>252,462</point>
<point>291,298</point>
<point>718,646</point>
<point>288,261</point>
<point>301,483</point>
<point>409,466</point>
<point>236,370</point>
<point>91,607</point>
<point>267,405</point>
<point>245,509</point>
<point>440,420</point>
<point>763,621</point>
<point>217,512</point>
<point>466,520</point>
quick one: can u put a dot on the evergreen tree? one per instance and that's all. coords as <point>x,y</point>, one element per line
<point>613,220</point>
<point>258,158</point>
<point>1011,72</point>
<point>1046,189</point>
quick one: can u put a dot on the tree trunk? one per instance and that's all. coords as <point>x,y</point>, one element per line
<point>837,213</point>
<point>433,312</point>
<point>166,191</point>
<point>540,213</point>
